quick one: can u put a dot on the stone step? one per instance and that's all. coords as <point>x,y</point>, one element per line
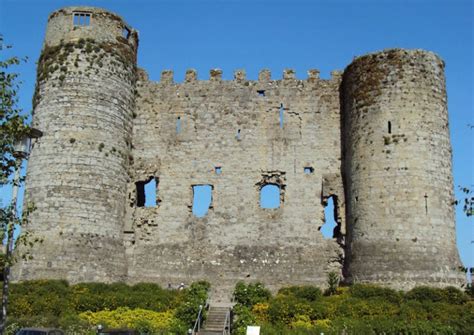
<point>216,317</point>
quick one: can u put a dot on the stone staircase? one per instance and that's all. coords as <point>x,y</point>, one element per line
<point>215,323</point>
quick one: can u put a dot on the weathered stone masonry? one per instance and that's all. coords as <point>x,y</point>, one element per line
<point>375,138</point>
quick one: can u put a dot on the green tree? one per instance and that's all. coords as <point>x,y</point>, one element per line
<point>12,128</point>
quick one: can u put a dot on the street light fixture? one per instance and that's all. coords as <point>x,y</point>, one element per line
<point>21,150</point>
<point>22,147</point>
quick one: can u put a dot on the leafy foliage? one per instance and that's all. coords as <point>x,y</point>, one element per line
<point>333,283</point>
<point>308,293</point>
<point>79,308</point>
<point>360,309</point>
<point>143,320</point>
<point>12,122</point>
<point>251,294</point>
<point>194,296</point>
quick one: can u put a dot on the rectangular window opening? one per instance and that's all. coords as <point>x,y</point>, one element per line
<point>202,199</point>
<point>178,125</point>
<point>308,170</point>
<point>147,192</point>
<point>389,127</point>
<point>261,93</point>
<point>82,19</point>
<point>218,170</point>
<point>237,136</point>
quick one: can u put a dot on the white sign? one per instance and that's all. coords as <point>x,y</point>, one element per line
<point>253,330</point>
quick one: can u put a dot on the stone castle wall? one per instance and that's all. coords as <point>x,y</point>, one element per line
<point>108,130</point>
<point>228,124</point>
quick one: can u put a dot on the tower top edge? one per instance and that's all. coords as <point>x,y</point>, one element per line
<point>391,52</point>
<point>86,9</point>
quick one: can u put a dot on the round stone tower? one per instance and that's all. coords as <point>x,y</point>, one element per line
<point>397,171</point>
<point>77,174</point>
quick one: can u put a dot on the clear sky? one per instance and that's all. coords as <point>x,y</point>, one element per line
<point>275,34</point>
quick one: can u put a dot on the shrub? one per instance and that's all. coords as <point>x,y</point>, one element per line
<point>308,293</point>
<point>367,291</point>
<point>284,309</point>
<point>454,295</point>
<point>193,297</point>
<point>448,295</point>
<point>140,319</point>
<point>244,318</point>
<point>84,297</point>
<point>39,297</point>
<point>251,294</point>
<point>260,311</point>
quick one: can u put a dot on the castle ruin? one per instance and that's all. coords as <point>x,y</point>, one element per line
<point>374,138</point>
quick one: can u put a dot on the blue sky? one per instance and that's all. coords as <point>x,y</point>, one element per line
<point>257,34</point>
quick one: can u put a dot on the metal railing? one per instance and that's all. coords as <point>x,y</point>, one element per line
<point>197,324</point>
<point>226,330</point>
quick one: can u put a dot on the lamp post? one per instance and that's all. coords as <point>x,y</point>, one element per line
<point>21,150</point>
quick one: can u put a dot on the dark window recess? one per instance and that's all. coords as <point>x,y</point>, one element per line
<point>147,192</point>
<point>126,32</point>
<point>82,19</point>
<point>270,196</point>
<point>389,127</point>
<point>261,93</point>
<point>218,170</point>
<point>237,136</point>
<point>178,125</point>
<point>308,170</point>
<point>202,199</point>
<point>282,110</point>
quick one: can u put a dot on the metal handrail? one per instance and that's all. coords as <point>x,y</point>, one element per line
<point>197,324</point>
<point>226,330</point>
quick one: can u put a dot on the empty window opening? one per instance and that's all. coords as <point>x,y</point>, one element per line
<point>178,125</point>
<point>218,170</point>
<point>308,170</point>
<point>389,127</point>
<point>281,116</point>
<point>82,19</point>
<point>126,32</point>
<point>261,93</point>
<point>237,136</point>
<point>270,196</point>
<point>147,193</point>
<point>328,229</point>
<point>202,199</point>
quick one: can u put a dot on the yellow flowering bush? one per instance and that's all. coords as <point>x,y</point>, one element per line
<point>301,321</point>
<point>323,324</point>
<point>131,318</point>
<point>260,311</point>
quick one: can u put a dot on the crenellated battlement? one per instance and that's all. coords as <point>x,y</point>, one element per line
<point>240,76</point>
